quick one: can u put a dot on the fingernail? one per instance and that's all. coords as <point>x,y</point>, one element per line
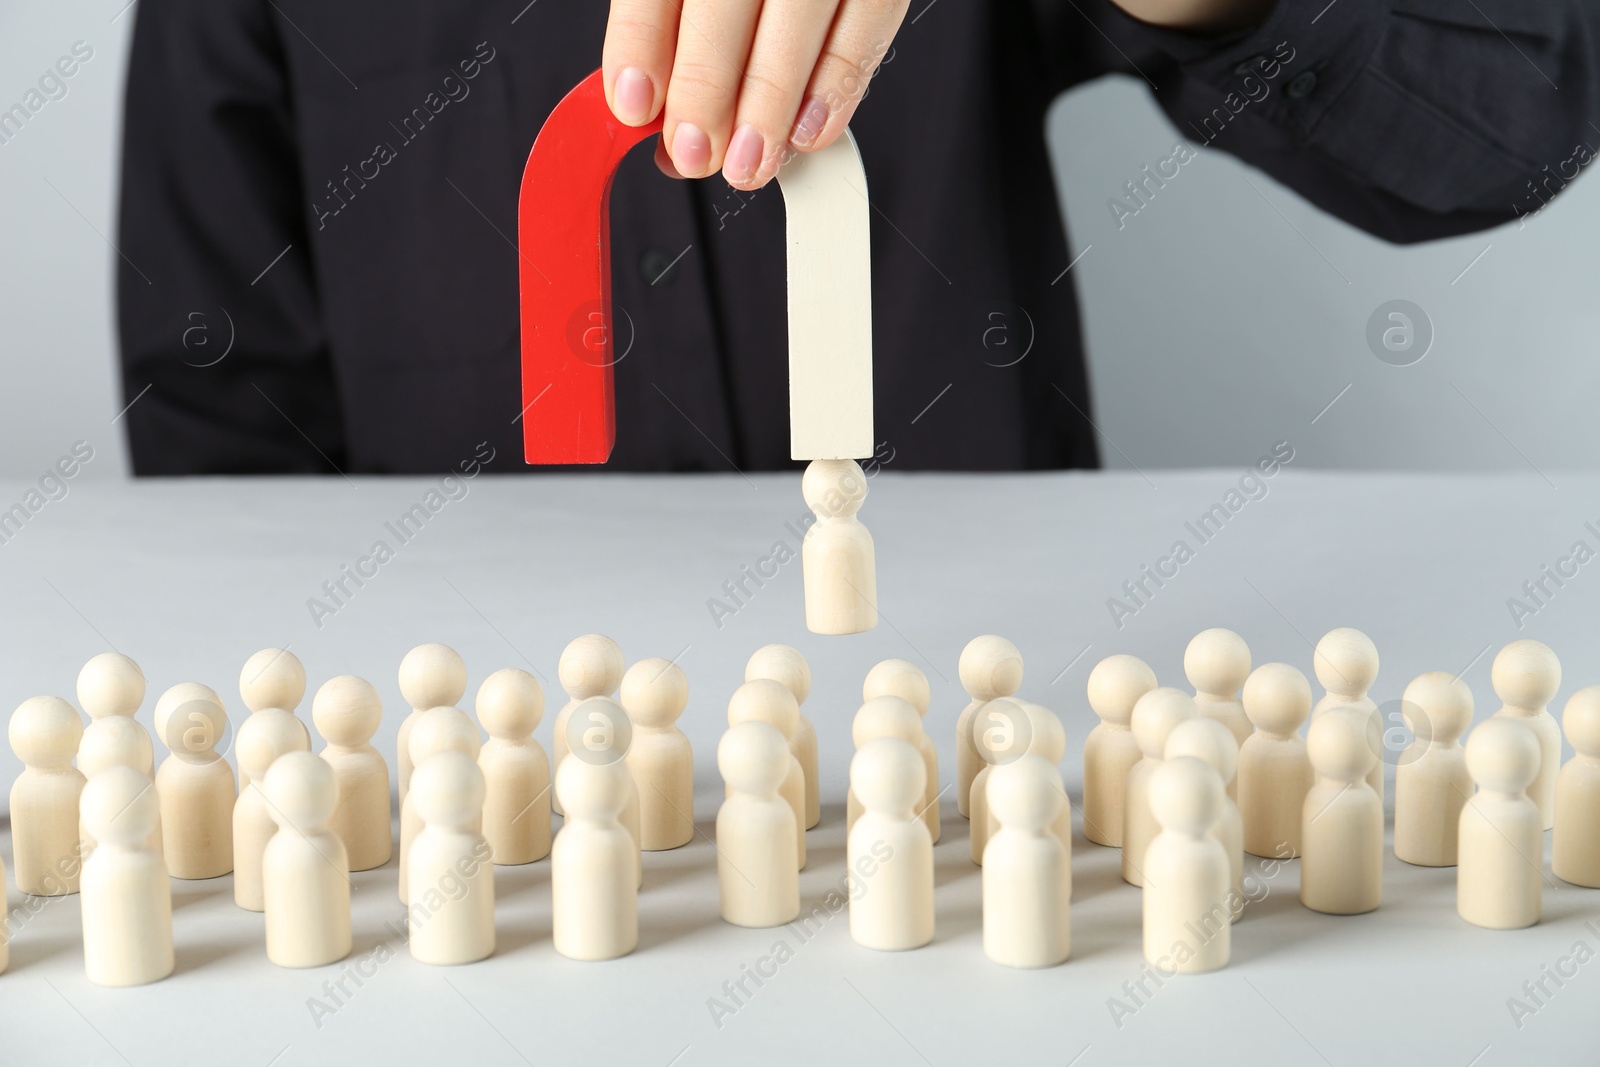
<point>633,93</point>
<point>812,121</point>
<point>744,154</point>
<point>691,150</point>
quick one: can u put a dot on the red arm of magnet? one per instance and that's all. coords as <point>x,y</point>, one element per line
<point>564,249</point>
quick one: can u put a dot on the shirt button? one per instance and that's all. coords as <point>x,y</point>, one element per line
<point>656,267</point>
<point>1250,65</point>
<point>1302,85</point>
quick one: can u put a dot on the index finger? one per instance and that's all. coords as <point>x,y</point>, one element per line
<point>641,37</point>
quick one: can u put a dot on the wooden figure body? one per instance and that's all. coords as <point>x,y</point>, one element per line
<point>305,873</point>
<point>1526,676</point>
<point>765,700</point>
<point>784,664</point>
<point>904,679</point>
<point>441,729</point>
<point>1217,662</point>
<point>1346,665</point>
<point>1027,871</point>
<point>263,737</point>
<point>654,693</point>
<point>1575,850</point>
<point>758,883</point>
<point>44,733</point>
<point>1038,733</point>
<point>594,895</point>
<point>110,689</point>
<point>841,575</point>
<point>590,666</point>
<point>127,898</point>
<point>516,772</point>
<point>1109,752</point>
<point>1274,771</point>
<point>347,712</point>
<point>1186,915</point>
<point>273,678</point>
<point>882,716</point>
<point>451,916</point>
<point>1341,866</point>
<point>196,787</point>
<point>1499,883</point>
<point>990,668</point>
<point>1431,783</point>
<point>431,676</point>
<point>1154,717</point>
<point>1211,742</point>
<point>888,853</point>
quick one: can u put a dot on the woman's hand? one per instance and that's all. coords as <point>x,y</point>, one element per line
<point>744,83</point>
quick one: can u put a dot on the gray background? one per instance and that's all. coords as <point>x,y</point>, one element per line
<point>1224,304</point>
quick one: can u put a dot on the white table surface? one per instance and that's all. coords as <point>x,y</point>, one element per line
<point>190,578</point>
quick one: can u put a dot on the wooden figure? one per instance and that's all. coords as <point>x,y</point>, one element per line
<point>1003,738</point>
<point>347,712</point>
<point>881,716</point>
<point>784,664</point>
<point>758,883</point>
<point>195,784</point>
<point>1274,771</point>
<point>1187,929</point>
<point>273,678</point>
<point>1499,883</point>
<point>654,693</point>
<point>764,700</point>
<point>590,666</point>
<point>1027,871</point>
<point>1211,742</point>
<point>431,676</point>
<point>263,737</point>
<point>451,917</point>
<point>990,667</point>
<point>1341,866</point>
<point>110,689</point>
<point>1575,850</point>
<point>888,854</point>
<point>441,729</point>
<point>1346,664</point>
<point>1217,662</point>
<point>1431,783</point>
<point>599,731</point>
<point>841,582</point>
<point>516,772</point>
<point>904,679</point>
<point>594,895</point>
<point>1525,676</point>
<point>1155,716</point>
<point>127,898</point>
<point>44,733</point>
<point>305,872</point>
<point>1109,752</point>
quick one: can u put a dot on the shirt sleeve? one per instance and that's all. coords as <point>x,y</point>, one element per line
<point>1412,119</point>
<point>225,364</point>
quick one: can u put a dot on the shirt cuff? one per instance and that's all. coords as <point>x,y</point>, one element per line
<point>1293,67</point>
